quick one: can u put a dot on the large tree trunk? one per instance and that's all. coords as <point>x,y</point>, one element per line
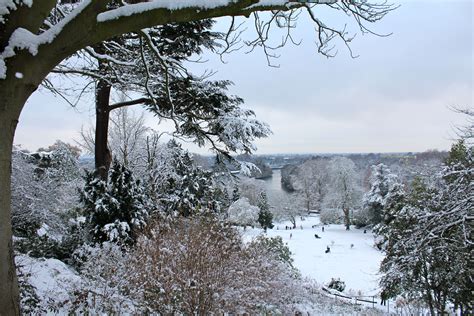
<point>102,153</point>
<point>9,294</point>
<point>14,92</point>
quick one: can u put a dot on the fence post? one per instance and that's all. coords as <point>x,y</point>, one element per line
<point>373,301</point>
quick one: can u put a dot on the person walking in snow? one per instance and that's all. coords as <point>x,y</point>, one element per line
<point>383,298</point>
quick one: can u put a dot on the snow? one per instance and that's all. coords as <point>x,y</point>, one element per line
<point>21,38</point>
<point>19,75</point>
<point>50,277</point>
<point>7,6</point>
<point>357,266</point>
<point>267,3</point>
<point>138,8</point>
<point>129,10</point>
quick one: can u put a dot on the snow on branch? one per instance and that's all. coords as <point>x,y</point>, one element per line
<point>138,8</point>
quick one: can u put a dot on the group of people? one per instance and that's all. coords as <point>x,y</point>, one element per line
<point>328,250</point>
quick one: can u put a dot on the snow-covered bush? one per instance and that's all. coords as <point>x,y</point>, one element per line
<point>42,193</point>
<point>337,284</point>
<point>242,213</point>
<point>361,218</point>
<point>276,247</point>
<point>104,287</point>
<point>198,266</point>
<point>41,247</point>
<point>30,303</point>
<point>187,266</point>
<point>331,216</point>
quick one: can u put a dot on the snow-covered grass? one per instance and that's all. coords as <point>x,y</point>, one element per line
<point>357,266</point>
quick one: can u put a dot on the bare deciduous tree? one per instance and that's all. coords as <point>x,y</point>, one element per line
<point>311,182</point>
<point>344,190</point>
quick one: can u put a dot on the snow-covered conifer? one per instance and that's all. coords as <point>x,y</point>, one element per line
<point>428,238</point>
<point>381,181</point>
<point>186,189</point>
<point>265,217</point>
<point>117,209</point>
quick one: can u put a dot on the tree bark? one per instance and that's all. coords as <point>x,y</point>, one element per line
<point>347,220</point>
<point>102,153</point>
<point>9,294</point>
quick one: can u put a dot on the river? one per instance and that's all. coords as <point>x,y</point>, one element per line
<point>273,184</point>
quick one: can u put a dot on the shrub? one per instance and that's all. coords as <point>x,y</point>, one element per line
<point>276,247</point>
<point>41,247</point>
<point>192,267</point>
<point>361,218</point>
<point>198,266</point>
<point>331,216</point>
<point>337,284</point>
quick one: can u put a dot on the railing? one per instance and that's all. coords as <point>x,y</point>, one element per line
<point>357,299</point>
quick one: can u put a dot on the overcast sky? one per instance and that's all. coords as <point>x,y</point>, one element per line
<point>394,97</point>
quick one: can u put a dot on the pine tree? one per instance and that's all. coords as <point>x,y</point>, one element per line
<point>265,217</point>
<point>429,238</point>
<point>395,200</point>
<point>452,226</point>
<point>187,189</point>
<point>117,209</point>
<point>458,154</point>
<point>374,201</point>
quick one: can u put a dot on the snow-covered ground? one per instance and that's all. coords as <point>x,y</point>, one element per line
<point>51,278</point>
<point>357,266</point>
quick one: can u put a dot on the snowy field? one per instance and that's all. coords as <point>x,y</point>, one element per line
<point>357,266</point>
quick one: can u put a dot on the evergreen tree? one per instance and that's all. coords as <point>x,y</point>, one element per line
<point>429,238</point>
<point>394,202</point>
<point>114,210</point>
<point>374,201</point>
<point>452,226</point>
<point>458,154</point>
<point>187,189</point>
<point>265,217</point>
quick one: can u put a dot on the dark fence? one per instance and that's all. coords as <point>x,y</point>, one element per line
<point>356,299</point>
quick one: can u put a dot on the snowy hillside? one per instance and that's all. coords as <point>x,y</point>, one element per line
<point>357,266</point>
